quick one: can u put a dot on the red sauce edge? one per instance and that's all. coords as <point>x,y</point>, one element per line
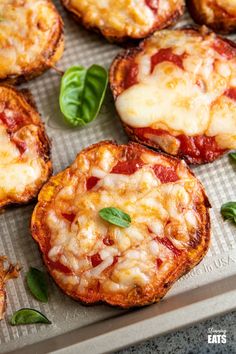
<point>165,174</point>
<point>127,167</point>
<point>166,242</point>
<point>198,147</point>
<point>224,48</point>
<point>107,241</point>
<point>131,75</point>
<point>158,262</point>
<point>20,144</point>
<point>70,217</point>
<point>231,93</point>
<point>91,182</point>
<point>153,4</point>
<point>58,266</point>
<point>9,122</point>
<point>166,54</point>
<point>96,260</point>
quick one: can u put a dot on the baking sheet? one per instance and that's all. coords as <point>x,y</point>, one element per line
<point>101,328</point>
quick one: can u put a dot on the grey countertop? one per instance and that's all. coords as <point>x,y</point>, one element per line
<point>191,340</point>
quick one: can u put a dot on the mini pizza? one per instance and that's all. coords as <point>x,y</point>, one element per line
<point>119,20</point>
<point>177,92</point>
<point>24,150</point>
<point>31,38</point>
<point>220,15</point>
<point>6,273</point>
<point>93,260</point>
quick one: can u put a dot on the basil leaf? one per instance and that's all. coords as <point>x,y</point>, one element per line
<point>28,316</point>
<point>115,216</point>
<point>232,155</point>
<point>37,284</point>
<point>228,211</point>
<point>82,93</point>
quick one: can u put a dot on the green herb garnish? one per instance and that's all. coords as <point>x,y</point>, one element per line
<point>115,216</point>
<point>232,155</point>
<point>82,93</point>
<point>228,211</point>
<point>28,316</point>
<point>37,284</point>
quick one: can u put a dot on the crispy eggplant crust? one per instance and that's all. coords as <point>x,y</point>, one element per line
<point>6,273</point>
<point>220,15</point>
<point>24,150</point>
<point>122,20</point>
<point>25,54</point>
<point>176,92</point>
<point>94,261</point>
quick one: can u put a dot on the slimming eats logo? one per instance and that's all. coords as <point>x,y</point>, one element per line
<point>216,336</point>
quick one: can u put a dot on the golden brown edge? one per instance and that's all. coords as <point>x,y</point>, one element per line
<point>40,234</point>
<point>27,98</point>
<point>46,60</point>
<point>222,23</point>
<point>171,20</point>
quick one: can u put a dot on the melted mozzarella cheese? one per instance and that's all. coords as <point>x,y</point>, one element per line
<point>155,209</point>
<point>122,17</point>
<point>189,101</point>
<point>16,172</point>
<point>26,28</point>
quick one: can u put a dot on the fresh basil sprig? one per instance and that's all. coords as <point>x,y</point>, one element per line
<point>228,211</point>
<point>115,216</point>
<point>232,155</point>
<point>37,284</point>
<point>82,93</point>
<point>28,316</point>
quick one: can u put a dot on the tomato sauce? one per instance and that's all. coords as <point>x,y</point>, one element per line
<point>131,75</point>
<point>20,144</point>
<point>96,260</point>
<point>167,243</point>
<point>107,241</point>
<point>115,260</point>
<point>91,182</point>
<point>9,122</point>
<point>165,174</point>
<point>231,93</point>
<point>166,54</point>
<point>70,217</point>
<point>158,262</point>
<point>127,167</point>
<point>224,48</point>
<point>58,266</point>
<point>153,4</point>
<point>200,148</point>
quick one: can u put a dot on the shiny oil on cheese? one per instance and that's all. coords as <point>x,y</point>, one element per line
<point>151,206</point>
<point>190,101</point>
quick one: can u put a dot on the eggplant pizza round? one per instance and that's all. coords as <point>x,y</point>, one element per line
<point>92,259</point>
<point>220,15</point>
<point>119,20</point>
<point>177,92</point>
<point>31,38</point>
<point>24,148</point>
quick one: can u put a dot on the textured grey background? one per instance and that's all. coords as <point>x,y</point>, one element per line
<point>191,340</point>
